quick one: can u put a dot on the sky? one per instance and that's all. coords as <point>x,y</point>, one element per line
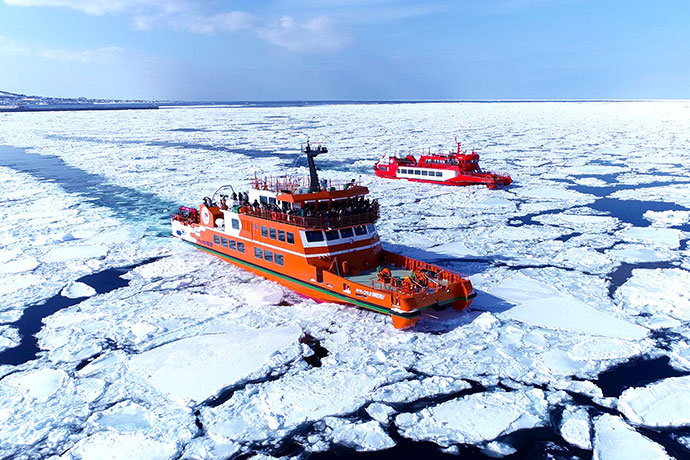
<point>282,50</point>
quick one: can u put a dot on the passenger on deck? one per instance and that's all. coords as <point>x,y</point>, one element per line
<point>223,203</point>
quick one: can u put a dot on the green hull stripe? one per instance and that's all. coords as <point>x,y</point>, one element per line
<point>320,289</point>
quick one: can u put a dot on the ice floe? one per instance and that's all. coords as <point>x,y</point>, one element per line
<point>575,428</point>
<point>475,418</point>
<point>77,289</point>
<point>616,440</point>
<point>664,403</point>
<point>541,305</point>
<point>197,368</point>
<point>657,292</point>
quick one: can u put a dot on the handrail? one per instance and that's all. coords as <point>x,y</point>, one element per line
<point>368,217</point>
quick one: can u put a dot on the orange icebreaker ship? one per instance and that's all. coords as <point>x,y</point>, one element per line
<point>319,239</point>
<point>454,168</point>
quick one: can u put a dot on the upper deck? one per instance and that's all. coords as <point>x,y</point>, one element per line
<point>294,201</point>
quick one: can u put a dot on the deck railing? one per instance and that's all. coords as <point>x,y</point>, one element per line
<point>334,221</point>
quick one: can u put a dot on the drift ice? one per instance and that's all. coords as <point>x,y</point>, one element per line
<point>318,238</point>
<point>454,168</point>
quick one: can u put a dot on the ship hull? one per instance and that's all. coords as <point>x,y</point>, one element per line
<point>459,298</point>
<point>490,180</point>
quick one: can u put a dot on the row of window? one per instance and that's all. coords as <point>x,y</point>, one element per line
<point>420,172</point>
<point>314,236</point>
<point>266,255</point>
<point>269,256</point>
<point>280,235</point>
<point>228,243</point>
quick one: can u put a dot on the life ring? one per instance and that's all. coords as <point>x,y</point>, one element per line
<point>205,216</point>
<point>274,215</point>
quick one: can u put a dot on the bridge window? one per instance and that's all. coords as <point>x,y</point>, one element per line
<point>236,224</point>
<point>263,200</point>
<point>314,235</point>
<point>290,238</point>
<point>272,232</point>
<point>346,233</point>
<point>257,253</point>
<point>383,168</point>
<point>360,230</point>
<point>279,259</point>
<point>281,235</point>
<point>332,235</point>
<point>264,231</point>
<point>240,247</point>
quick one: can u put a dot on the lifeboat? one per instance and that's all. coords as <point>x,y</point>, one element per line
<point>319,239</point>
<point>453,168</point>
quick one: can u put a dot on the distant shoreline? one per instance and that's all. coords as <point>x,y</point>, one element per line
<point>77,107</point>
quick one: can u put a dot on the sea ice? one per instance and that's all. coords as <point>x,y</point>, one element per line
<point>475,418</point>
<point>667,218</point>
<point>411,390</point>
<point>563,252</point>
<point>77,289</point>
<point>541,305</point>
<point>616,440</point>
<point>635,253</point>
<point>664,403</point>
<point>654,237</point>
<point>18,265</point>
<point>362,437</point>
<point>380,412</point>
<point>222,359</point>
<point>39,384</point>
<point>113,445</point>
<point>657,292</point>
<point>575,428</point>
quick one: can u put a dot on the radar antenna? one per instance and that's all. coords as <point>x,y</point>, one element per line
<point>314,185</point>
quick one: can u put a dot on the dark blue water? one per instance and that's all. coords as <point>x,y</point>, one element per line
<point>32,317</point>
<point>637,372</point>
<point>631,211</point>
<point>124,202</point>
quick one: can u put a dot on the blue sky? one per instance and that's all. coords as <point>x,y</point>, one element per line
<point>346,49</point>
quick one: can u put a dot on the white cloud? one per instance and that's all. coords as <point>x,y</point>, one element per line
<point>314,35</point>
<point>98,7</point>
<point>230,21</point>
<point>101,55</point>
<point>318,34</point>
<point>96,55</point>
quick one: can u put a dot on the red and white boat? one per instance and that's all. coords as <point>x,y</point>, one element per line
<point>319,239</point>
<point>453,168</point>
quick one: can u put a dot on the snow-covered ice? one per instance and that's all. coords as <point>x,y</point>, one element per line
<point>78,289</point>
<point>196,368</point>
<point>575,428</point>
<point>195,358</point>
<point>665,403</point>
<point>616,440</point>
<point>475,418</point>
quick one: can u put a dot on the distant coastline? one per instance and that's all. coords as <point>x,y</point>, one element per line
<point>80,106</point>
<point>13,102</point>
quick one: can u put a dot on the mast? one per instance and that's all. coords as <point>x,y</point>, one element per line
<point>314,185</point>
